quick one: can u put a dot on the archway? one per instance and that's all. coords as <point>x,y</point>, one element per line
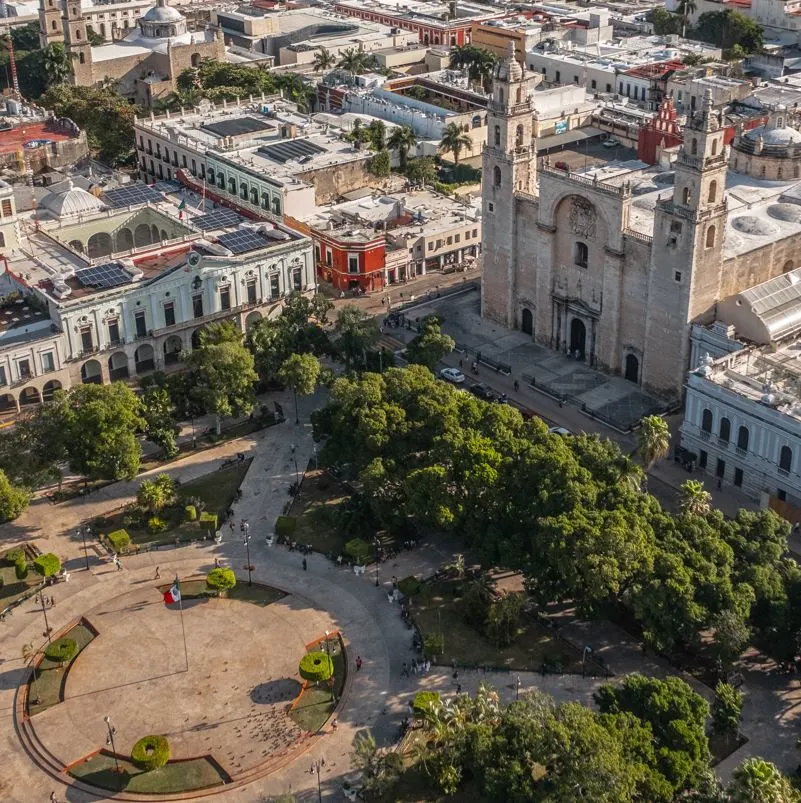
<point>125,240</point>
<point>788,266</point>
<point>142,235</point>
<point>154,233</point>
<point>91,373</point>
<point>99,245</point>
<point>527,322</point>
<point>578,339</point>
<point>76,245</point>
<point>8,404</point>
<point>252,319</point>
<point>632,369</point>
<point>173,346</point>
<point>29,396</point>
<point>196,337</point>
<point>144,359</point>
<point>118,366</point>
<point>49,389</point>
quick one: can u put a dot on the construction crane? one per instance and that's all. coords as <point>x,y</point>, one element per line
<point>5,33</point>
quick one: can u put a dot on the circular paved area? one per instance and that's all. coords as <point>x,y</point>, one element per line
<point>232,701</point>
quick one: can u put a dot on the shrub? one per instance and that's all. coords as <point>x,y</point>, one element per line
<point>424,701</point>
<point>190,513</point>
<point>208,522</point>
<point>47,565</point>
<point>119,540</point>
<point>358,549</point>
<point>285,525</point>
<point>155,525</point>
<point>196,502</point>
<point>61,650</point>
<point>21,569</point>
<point>409,586</point>
<point>316,667</point>
<point>433,645</point>
<point>221,580</point>
<point>151,753</point>
<point>14,556</point>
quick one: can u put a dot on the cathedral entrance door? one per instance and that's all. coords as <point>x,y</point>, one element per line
<point>632,368</point>
<point>578,339</point>
<point>527,322</point>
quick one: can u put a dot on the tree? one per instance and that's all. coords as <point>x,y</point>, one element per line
<point>380,165</point>
<point>478,62</point>
<point>95,39</point>
<point>13,499</point>
<point>759,781</point>
<point>725,29</point>
<point>356,334</point>
<point>430,345</point>
<point>685,9</point>
<point>380,768</point>
<point>654,439</point>
<point>694,499</point>
<point>324,59</point>
<point>301,372</point>
<point>356,61</point>
<point>224,374</point>
<point>161,425</point>
<point>56,63</point>
<point>47,565</point>
<point>402,139</point>
<point>454,141</point>
<point>730,637</point>
<point>357,136</point>
<point>377,135</point>
<point>727,710</point>
<point>295,89</point>
<point>503,620</point>
<point>221,580</point>
<point>156,494</point>
<point>421,171</point>
<point>664,22</point>
<point>25,37</point>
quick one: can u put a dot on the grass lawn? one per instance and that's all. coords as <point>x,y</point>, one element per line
<point>315,510</point>
<point>45,690</point>
<point>12,589</point>
<point>258,594</point>
<point>315,704</point>
<point>174,777</point>
<point>439,608</point>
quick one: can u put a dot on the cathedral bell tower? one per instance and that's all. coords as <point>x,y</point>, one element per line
<point>78,48</point>
<point>51,28</point>
<point>509,167</point>
<point>684,280</point>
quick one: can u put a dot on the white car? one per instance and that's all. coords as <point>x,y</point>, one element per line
<point>559,431</point>
<point>611,142</point>
<point>453,375</point>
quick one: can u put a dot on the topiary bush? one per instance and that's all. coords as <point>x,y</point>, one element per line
<point>433,645</point>
<point>316,667</point>
<point>151,753</point>
<point>208,522</point>
<point>21,569</point>
<point>424,701</point>
<point>47,565</point>
<point>155,525</point>
<point>190,513</point>
<point>358,550</point>
<point>61,651</point>
<point>409,586</point>
<point>221,580</point>
<point>119,540</point>
<point>14,556</point>
<point>286,526</point>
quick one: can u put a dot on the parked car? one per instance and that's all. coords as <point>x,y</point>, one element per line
<point>453,375</point>
<point>611,142</point>
<point>486,393</point>
<point>559,431</point>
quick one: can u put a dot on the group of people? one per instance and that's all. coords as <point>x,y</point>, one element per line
<point>415,668</point>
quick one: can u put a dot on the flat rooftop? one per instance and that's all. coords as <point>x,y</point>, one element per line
<point>31,135</point>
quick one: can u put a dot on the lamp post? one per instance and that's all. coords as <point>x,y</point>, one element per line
<point>376,544</point>
<point>517,689</point>
<point>41,599</point>
<point>292,448</point>
<point>110,740</point>
<point>83,532</point>
<point>316,768</point>
<point>247,548</point>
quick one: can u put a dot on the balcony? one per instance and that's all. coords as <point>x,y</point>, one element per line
<point>203,319</point>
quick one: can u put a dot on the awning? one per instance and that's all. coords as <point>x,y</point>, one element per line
<point>545,144</point>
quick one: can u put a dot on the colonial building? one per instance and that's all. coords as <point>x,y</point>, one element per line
<point>613,264</point>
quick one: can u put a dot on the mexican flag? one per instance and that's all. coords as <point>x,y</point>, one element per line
<point>173,594</point>
<point>182,205</point>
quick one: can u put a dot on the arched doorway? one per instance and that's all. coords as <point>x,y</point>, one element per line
<point>578,339</point>
<point>125,241</point>
<point>527,322</point>
<point>76,245</point>
<point>29,396</point>
<point>144,358</point>
<point>91,373</point>
<point>118,366</point>
<point>49,389</point>
<point>173,346</point>
<point>154,233</point>
<point>632,369</point>
<point>99,245</point>
<point>8,404</point>
<point>252,319</point>
<point>142,235</point>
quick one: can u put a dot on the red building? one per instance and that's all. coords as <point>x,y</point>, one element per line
<point>662,130</point>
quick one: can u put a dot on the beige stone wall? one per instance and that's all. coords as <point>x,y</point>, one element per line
<point>331,182</point>
<point>764,166</point>
<point>759,265</point>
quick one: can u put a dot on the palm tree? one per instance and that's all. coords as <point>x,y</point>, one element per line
<point>694,499</point>
<point>654,439</point>
<point>355,60</point>
<point>402,140</point>
<point>462,56</point>
<point>56,63</point>
<point>482,67</point>
<point>685,9</point>
<point>377,135</point>
<point>454,140</point>
<point>324,60</point>
<point>759,781</point>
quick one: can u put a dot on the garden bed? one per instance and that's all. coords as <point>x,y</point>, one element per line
<point>314,705</point>
<point>176,776</point>
<point>45,688</point>
<point>315,511</point>
<point>438,608</point>
<point>257,594</point>
<point>13,589</point>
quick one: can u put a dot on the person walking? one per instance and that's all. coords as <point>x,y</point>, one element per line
<point>158,574</point>
<point>516,386</point>
<point>358,663</point>
<point>52,602</point>
<point>304,564</point>
<point>405,670</point>
<point>334,724</point>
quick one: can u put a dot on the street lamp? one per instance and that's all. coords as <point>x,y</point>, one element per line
<point>517,691</point>
<point>83,533</point>
<point>292,448</point>
<point>247,547</point>
<point>316,768</point>
<point>41,599</point>
<point>376,544</point>
<point>110,740</point>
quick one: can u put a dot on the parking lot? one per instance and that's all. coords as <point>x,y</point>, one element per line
<point>590,153</point>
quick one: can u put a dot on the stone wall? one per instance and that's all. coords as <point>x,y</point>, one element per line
<point>331,182</point>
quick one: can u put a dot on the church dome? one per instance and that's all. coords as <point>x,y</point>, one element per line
<point>774,136</point>
<point>72,201</point>
<point>163,13</point>
<point>509,69</point>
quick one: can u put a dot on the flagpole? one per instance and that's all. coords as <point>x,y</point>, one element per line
<point>183,629</point>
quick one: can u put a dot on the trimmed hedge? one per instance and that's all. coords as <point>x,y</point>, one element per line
<point>358,549</point>
<point>14,556</point>
<point>190,513</point>
<point>47,565</point>
<point>208,521</point>
<point>119,540</point>
<point>21,569</point>
<point>61,650</point>
<point>409,586</point>
<point>156,525</point>
<point>221,580</point>
<point>151,753</point>
<point>286,525</point>
<point>316,667</point>
<point>424,701</point>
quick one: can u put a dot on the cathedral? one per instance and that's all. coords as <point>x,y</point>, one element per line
<point>612,265</point>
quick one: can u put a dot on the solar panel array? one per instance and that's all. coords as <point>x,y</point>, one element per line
<point>288,149</point>
<point>238,126</point>
<point>242,241</point>
<point>131,196</point>
<point>219,219</point>
<point>112,274</point>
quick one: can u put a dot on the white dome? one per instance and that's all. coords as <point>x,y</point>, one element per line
<point>72,201</point>
<point>774,136</point>
<point>163,13</point>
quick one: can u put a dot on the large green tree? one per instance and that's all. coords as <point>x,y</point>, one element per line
<point>430,345</point>
<point>13,499</point>
<point>727,29</point>
<point>355,334</point>
<point>402,139</point>
<point>760,781</point>
<point>161,425</point>
<point>454,141</point>
<point>301,373</point>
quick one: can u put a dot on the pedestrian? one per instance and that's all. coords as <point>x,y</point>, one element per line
<point>394,581</point>
<point>53,798</point>
<point>461,363</point>
<point>52,602</point>
<point>231,525</point>
<point>390,597</point>
<point>334,724</point>
<point>405,670</point>
<point>516,386</point>
<point>458,688</point>
<point>242,526</point>
<point>304,564</point>
<point>158,573</point>
<point>216,563</point>
<point>358,663</point>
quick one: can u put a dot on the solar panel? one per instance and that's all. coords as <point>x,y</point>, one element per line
<point>112,274</point>
<point>131,196</point>
<point>290,149</point>
<point>219,219</point>
<point>240,242</point>
<point>238,126</point>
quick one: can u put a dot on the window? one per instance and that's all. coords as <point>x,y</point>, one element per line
<point>558,76</point>
<point>3,380</point>
<point>713,191</point>
<point>593,84</point>
<point>431,246</point>
<point>685,196</point>
<point>450,241</point>
<point>496,176</point>
<point>490,207</point>
<point>86,339</point>
<point>275,289</point>
<point>580,254</point>
<point>724,433</point>
<point>251,291</point>
<point>475,232</point>
<point>457,237</point>
<point>48,362</point>
<point>296,279</point>
<point>114,332</point>
<point>169,313</point>
<point>141,325</point>
<point>353,263</point>
<point>710,237</point>
<point>53,25</point>
<point>183,160</point>
<point>575,80</point>
<point>225,298</point>
<point>467,235</point>
<point>742,438</point>
<point>24,368</point>
<point>329,259</point>
<point>497,136</point>
<point>785,458</point>
<point>706,421</point>
<point>197,305</point>
<point>738,477</point>
<point>714,147</point>
<point>194,168</point>
<point>519,136</point>
<point>702,458</point>
<point>677,276</point>
<point>694,147</point>
<point>6,207</point>
<point>720,470</point>
<point>781,494</point>
<point>317,253</point>
<point>609,87</point>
